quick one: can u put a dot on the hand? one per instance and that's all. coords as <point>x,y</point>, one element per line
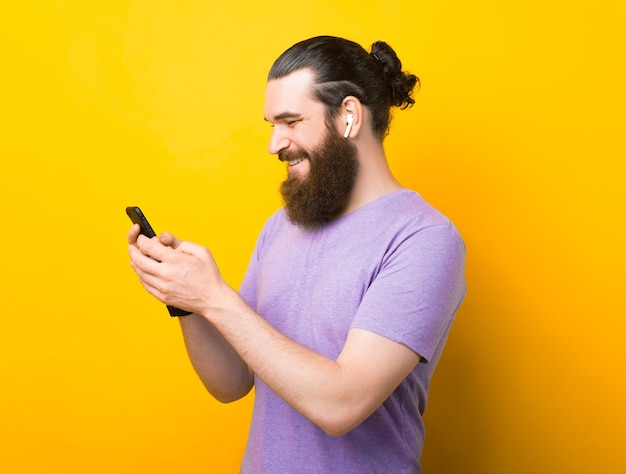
<point>165,238</point>
<point>177,273</point>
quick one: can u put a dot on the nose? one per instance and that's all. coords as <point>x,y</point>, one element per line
<point>278,141</point>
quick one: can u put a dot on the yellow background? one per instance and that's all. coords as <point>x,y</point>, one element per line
<point>517,135</point>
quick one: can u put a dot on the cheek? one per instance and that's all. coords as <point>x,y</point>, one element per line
<point>311,135</point>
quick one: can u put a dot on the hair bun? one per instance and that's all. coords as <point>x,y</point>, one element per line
<point>401,84</point>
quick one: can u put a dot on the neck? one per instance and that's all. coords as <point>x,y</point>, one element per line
<point>374,178</point>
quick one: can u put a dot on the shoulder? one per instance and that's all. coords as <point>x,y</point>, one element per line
<point>404,213</point>
<point>409,205</point>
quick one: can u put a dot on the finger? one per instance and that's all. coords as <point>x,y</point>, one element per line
<point>192,249</point>
<point>142,264</point>
<point>133,232</point>
<point>154,248</point>
<point>150,288</point>
<point>169,240</point>
<point>149,281</point>
<point>154,283</point>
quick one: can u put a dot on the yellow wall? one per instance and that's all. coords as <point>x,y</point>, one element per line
<point>517,135</point>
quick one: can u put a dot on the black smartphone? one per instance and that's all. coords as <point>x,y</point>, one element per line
<point>137,217</point>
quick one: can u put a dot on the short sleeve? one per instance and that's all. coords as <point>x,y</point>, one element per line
<point>421,283</point>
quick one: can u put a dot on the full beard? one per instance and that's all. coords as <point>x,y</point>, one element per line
<point>324,193</point>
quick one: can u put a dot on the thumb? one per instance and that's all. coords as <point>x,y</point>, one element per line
<point>192,249</point>
<point>169,240</point>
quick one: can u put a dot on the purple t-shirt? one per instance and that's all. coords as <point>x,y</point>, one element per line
<point>394,267</point>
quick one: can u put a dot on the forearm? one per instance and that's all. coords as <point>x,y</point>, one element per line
<point>330,395</point>
<point>224,374</point>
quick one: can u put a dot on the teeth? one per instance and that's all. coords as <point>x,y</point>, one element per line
<point>295,162</point>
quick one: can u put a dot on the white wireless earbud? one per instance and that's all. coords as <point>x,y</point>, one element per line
<point>349,121</point>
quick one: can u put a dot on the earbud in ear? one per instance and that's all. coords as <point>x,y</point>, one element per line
<point>349,121</point>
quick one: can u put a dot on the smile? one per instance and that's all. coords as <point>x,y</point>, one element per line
<point>295,162</point>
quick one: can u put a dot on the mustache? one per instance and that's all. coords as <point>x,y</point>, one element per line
<point>287,155</point>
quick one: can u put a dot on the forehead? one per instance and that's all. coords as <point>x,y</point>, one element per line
<point>290,95</point>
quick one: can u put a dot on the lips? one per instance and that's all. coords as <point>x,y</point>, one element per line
<point>293,158</point>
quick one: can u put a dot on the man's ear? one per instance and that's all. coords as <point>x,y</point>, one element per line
<point>350,118</point>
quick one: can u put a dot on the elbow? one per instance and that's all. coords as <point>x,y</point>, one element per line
<point>337,430</point>
<point>340,422</point>
<point>229,396</point>
<point>225,397</point>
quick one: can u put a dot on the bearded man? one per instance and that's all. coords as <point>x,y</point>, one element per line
<point>350,292</point>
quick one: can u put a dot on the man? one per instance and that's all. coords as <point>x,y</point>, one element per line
<point>352,288</point>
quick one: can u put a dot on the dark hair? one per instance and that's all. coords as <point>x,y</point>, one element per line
<point>342,67</point>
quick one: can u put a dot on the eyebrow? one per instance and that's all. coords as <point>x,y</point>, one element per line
<point>283,116</point>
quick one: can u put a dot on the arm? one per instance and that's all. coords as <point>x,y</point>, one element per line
<point>224,374</point>
<point>335,395</point>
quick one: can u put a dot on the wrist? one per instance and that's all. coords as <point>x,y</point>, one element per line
<point>222,304</point>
